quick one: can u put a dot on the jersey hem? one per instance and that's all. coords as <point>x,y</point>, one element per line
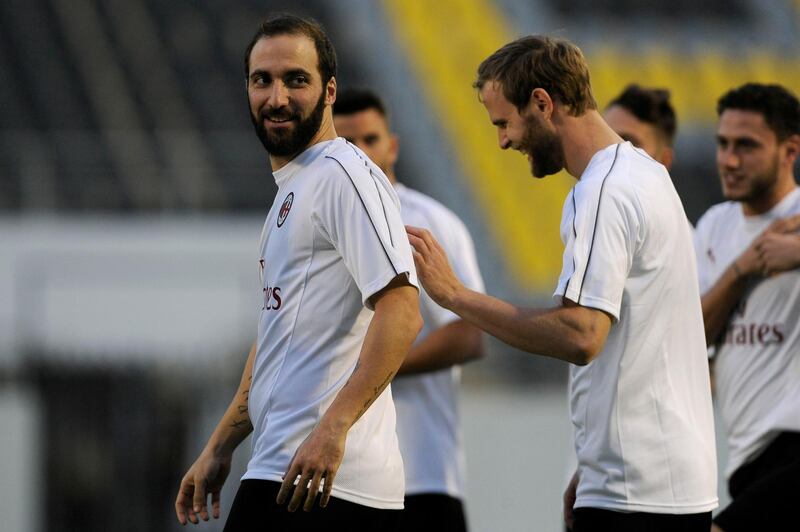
<point>346,495</point>
<point>627,506</point>
<point>423,488</point>
<point>584,300</point>
<point>382,282</point>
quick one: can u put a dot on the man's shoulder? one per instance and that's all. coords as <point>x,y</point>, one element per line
<point>439,218</point>
<point>420,201</point>
<point>346,160</point>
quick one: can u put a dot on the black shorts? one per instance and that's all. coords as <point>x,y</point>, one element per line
<point>597,520</point>
<point>765,490</point>
<point>254,510</point>
<point>434,512</point>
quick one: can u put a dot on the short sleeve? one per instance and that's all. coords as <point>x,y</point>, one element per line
<point>600,226</point>
<point>358,212</point>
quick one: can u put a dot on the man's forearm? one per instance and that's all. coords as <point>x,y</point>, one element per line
<point>571,333</point>
<point>455,343</point>
<point>393,328</point>
<point>719,301</point>
<point>235,424</point>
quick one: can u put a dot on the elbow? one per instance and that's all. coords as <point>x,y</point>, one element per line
<point>585,350</point>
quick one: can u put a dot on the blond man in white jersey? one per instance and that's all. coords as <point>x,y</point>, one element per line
<point>629,318</point>
<point>426,388</point>
<point>339,313</point>
<point>748,260</point>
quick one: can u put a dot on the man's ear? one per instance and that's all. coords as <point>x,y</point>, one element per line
<point>667,157</point>
<point>330,91</point>
<point>541,102</point>
<point>792,148</point>
<point>394,149</point>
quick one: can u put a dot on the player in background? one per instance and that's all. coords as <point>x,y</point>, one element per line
<point>645,118</point>
<point>629,318</point>
<point>748,263</point>
<point>340,311</point>
<point>426,387</point>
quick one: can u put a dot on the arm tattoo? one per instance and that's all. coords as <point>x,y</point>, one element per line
<point>243,409</point>
<point>375,393</point>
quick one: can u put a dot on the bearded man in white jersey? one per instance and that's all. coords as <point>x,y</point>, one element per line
<point>339,313</point>
<point>748,259</point>
<point>629,318</point>
<point>426,388</point>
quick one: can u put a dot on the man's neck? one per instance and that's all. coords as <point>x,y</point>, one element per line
<point>583,136</point>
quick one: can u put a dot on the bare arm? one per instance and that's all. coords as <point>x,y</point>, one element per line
<point>720,300</point>
<point>393,328</point>
<point>774,251</point>
<point>455,343</point>
<point>570,332</point>
<point>209,471</point>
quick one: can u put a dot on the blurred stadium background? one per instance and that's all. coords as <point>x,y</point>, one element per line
<point>132,193</point>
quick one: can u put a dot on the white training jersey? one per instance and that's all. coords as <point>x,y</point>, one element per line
<point>644,428</point>
<point>332,239</point>
<point>428,422</point>
<point>757,359</point>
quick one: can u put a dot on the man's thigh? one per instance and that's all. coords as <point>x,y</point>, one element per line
<point>432,512</point>
<point>254,510</point>
<point>598,520</point>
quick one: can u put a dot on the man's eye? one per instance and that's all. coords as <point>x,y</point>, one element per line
<point>298,80</point>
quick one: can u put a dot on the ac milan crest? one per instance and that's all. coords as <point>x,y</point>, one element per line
<point>285,208</point>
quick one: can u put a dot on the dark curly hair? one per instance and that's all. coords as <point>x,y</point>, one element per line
<point>651,106</point>
<point>779,106</point>
<point>285,24</point>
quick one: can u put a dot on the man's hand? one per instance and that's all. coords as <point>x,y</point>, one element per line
<point>749,263</point>
<point>790,224</point>
<point>206,476</point>
<point>433,269</point>
<point>778,252</point>
<point>317,458</point>
<point>570,494</point>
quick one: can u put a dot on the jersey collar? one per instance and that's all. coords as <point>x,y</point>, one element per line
<point>302,160</point>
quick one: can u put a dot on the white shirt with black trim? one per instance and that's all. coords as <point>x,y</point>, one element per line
<point>428,421</point>
<point>332,239</point>
<point>644,430</point>
<point>757,357</point>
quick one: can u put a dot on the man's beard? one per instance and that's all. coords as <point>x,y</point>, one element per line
<point>285,143</point>
<point>759,186</point>
<point>544,147</point>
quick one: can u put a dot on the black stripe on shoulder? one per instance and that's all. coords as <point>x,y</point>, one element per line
<point>596,219</point>
<point>641,153</point>
<point>575,237</point>
<point>374,227</point>
<point>383,205</point>
<point>378,190</point>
